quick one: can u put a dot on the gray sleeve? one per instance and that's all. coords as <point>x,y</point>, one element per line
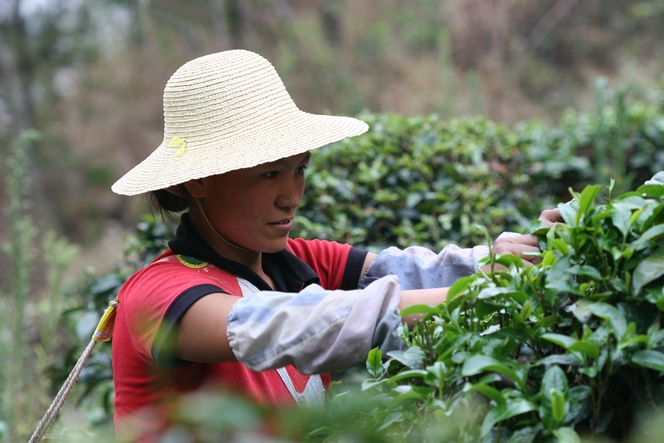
<point>315,330</point>
<point>420,268</point>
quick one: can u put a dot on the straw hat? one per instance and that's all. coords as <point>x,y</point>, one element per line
<point>228,111</point>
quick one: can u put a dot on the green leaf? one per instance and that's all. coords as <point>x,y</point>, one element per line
<point>560,339</point>
<point>504,411</point>
<point>582,310</point>
<point>557,404</point>
<point>586,270</point>
<point>647,236</point>
<point>612,316</point>
<point>566,435</point>
<point>651,268</point>
<point>489,391</point>
<point>649,359</point>
<point>650,191</point>
<point>525,435</point>
<point>420,309</point>
<point>480,363</point>
<point>554,378</point>
<point>585,347</point>
<point>620,217</point>
<point>568,213</point>
<point>558,278</point>
<point>460,286</point>
<point>586,200</point>
<point>411,357</point>
<point>375,363</point>
<point>412,373</point>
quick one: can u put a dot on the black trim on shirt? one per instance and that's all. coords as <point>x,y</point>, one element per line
<point>163,346</point>
<point>353,270</point>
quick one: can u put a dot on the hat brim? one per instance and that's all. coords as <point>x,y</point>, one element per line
<point>299,132</point>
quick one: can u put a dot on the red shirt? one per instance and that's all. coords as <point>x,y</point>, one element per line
<point>147,376</point>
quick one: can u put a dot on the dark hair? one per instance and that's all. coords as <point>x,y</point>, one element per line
<point>167,204</point>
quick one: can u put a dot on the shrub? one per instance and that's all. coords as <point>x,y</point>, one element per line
<point>419,180</point>
<point>573,346</point>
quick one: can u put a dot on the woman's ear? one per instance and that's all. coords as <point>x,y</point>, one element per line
<point>196,188</point>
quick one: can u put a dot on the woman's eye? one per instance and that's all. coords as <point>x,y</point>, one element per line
<point>302,168</point>
<point>272,174</point>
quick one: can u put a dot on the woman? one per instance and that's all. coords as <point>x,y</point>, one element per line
<point>234,302</point>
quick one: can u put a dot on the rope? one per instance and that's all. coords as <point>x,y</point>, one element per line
<point>103,332</point>
<point>58,402</point>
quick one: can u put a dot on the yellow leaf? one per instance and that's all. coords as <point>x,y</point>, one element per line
<point>181,144</point>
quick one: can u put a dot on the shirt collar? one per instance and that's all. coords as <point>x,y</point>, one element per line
<point>288,272</point>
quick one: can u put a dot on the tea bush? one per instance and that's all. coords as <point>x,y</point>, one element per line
<point>428,181</point>
<point>571,347</point>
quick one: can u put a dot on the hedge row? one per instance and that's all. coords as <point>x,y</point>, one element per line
<point>428,181</point>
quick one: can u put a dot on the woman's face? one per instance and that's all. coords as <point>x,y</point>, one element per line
<point>254,207</point>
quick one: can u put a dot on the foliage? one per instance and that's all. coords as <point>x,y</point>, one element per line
<point>571,347</point>
<point>428,181</point>
<point>419,180</point>
<point>29,319</point>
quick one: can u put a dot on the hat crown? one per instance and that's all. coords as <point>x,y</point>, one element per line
<point>210,98</point>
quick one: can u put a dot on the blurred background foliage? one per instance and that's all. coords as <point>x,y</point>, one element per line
<point>481,112</point>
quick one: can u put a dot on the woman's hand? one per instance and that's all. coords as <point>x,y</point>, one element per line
<point>525,246</point>
<point>522,245</point>
<point>551,216</point>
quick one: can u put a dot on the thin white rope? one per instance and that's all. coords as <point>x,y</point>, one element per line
<point>59,400</point>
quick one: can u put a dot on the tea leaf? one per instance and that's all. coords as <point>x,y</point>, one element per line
<point>375,363</point>
<point>650,234</point>
<point>420,309</point>
<point>557,404</point>
<point>504,411</point>
<point>612,316</point>
<point>585,347</point>
<point>480,363</point>
<point>651,268</point>
<point>620,218</point>
<point>566,435</point>
<point>490,392</point>
<point>649,359</point>
<point>586,200</point>
<point>411,357</point>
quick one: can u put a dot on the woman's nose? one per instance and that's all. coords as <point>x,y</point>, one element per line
<point>291,193</point>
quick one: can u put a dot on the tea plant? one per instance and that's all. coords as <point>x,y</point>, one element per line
<point>570,347</point>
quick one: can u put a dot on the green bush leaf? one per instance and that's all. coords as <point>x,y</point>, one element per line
<point>649,359</point>
<point>585,347</point>
<point>411,357</point>
<point>509,409</point>
<point>420,309</point>
<point>480,363</point>
<point>650,269</point>
<point>489,391</point>
<point>560,339</point>
<point>620,217</point>
<point>557,404</point>
<point>375,363</point>
<point>586,200</point>
<point>612,316</point>
<point>566,435</point>
<point>650,234</point>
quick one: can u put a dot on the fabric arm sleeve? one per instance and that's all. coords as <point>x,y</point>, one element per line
<point>420,268</point>
<point>315,330</point>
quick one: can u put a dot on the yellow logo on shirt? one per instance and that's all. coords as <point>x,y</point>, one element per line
<point>191,262</point>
